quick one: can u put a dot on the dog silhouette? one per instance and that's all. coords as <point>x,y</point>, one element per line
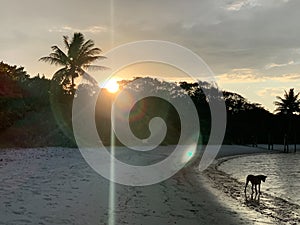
<point>255,181</point>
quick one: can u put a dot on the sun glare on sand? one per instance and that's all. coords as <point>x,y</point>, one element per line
<point>111,86</point>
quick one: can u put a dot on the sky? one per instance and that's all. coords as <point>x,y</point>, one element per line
<point>252,46</point>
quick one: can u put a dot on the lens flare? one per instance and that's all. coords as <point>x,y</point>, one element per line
<point>112,86</point>
<point>87,136</point>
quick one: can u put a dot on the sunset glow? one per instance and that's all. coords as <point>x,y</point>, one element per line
<point>112,86</point>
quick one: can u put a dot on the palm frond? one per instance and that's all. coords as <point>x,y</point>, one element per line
<point>278,103</point>
<point>90,59</point>
<point>57,52</point>
<point>66,42</point>
<point>84,57</point>
<point>87,46</point>
<point>75,45</point>
<point>93,51</point>
<point>95,67</point>
<point>52,60</point>
<point>88,77</point>
<point>60,75</point>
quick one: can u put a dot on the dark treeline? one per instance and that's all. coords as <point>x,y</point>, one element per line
<point>27,107</point>
<point>36,111</point>
<point>247,123</point>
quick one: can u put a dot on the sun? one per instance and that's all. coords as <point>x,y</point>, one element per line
<point>112,86</point>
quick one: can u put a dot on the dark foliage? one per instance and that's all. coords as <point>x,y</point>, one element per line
<point>37,112</point>
<point>27,117</point>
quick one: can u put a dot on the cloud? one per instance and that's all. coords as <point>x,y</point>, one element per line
<point>278,91</point>
<point>249,4</point>
<point>241,4</point>
<point>247,75</point>
<point>291,77</point>
<point>274,65</point>
<point>242,75</point>
<point>90,29</point>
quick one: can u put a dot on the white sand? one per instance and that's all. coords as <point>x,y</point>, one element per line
<point>56,186</point>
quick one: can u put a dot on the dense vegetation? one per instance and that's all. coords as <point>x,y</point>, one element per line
<point>36,111</point>
<point>26,110</point>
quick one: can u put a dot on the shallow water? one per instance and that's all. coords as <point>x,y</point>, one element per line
<point>283,173</point>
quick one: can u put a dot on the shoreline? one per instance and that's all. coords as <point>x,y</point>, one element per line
<point>38,184</point>
<point>286,212</point>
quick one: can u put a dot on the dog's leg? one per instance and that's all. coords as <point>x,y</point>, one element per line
<point>258,196</point>
<point>259,189</point>
<point>247,181</point>
<point>245,191</point>
<point>255,190</point>
<point>252,191</point>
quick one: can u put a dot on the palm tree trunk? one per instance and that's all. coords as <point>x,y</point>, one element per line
<point>73,86</point>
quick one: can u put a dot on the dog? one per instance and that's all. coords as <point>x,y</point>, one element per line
<point>255,181</point>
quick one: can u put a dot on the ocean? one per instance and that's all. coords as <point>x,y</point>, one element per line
<point>282,171</point>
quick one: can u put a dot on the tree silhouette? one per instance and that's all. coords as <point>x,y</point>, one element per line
<point>79,56</point>
<point>289,104</point>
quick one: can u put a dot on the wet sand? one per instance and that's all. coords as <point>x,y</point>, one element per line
<point>267,204</point>
<point>282,170</point>
<point>56,186</point>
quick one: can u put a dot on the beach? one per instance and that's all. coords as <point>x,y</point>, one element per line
<point>56,186</point>
<point>279,198</point>
<point>150,112</point>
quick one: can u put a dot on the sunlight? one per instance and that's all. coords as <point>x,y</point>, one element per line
<point>112,85</point>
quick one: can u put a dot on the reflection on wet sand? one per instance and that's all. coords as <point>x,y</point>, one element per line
<point>252,201</point>
<point>268,202</point>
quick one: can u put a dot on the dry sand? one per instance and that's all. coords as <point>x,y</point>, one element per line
<point>56,186</point>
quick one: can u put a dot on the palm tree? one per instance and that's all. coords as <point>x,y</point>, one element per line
<point>289,104</point>
<point>79,56</point>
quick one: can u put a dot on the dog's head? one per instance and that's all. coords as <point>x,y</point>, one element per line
<point>263,178</point>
